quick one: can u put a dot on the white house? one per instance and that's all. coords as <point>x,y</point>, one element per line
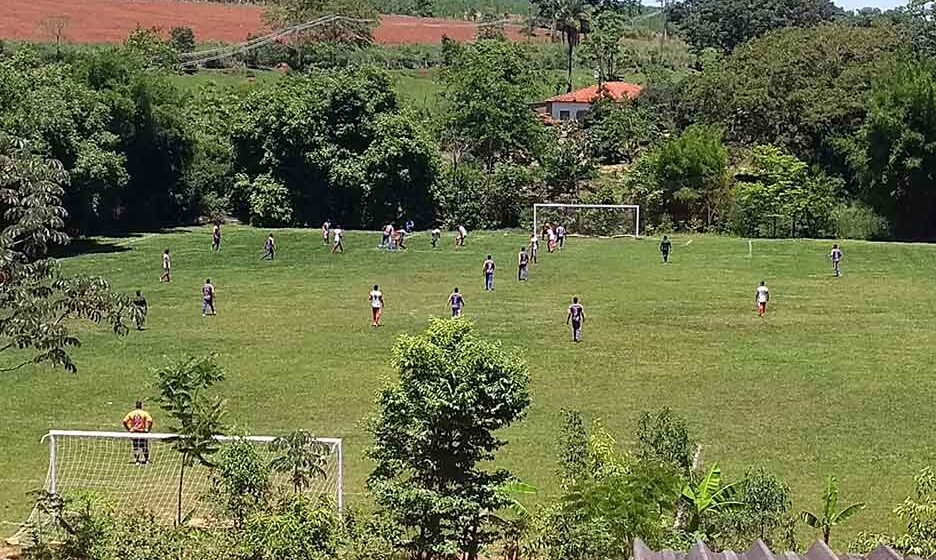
<point>574,105</point>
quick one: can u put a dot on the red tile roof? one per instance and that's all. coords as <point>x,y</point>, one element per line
<point>615,90</point>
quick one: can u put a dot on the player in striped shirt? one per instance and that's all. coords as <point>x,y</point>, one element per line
<point>488,269</point>
<point>457,302</point>
<point>836,256</point>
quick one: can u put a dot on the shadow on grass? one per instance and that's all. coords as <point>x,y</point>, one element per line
<point>108,243</point>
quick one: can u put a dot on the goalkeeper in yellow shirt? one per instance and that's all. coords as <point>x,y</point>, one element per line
<point>138,421</point>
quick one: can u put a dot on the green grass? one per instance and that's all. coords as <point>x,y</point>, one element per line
<point>838,378</point>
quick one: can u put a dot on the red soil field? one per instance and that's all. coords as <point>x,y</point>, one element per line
<point>109,21</point>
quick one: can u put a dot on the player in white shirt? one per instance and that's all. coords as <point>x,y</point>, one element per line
<point>338,247</point>
<point>460,235</point>
<point>326,226</point>
<point>836,256</point>
<point>167,267</point>
<point>550,240</point>
<point>762,296</point>
<point>534,248</point>
<point>375,297</point>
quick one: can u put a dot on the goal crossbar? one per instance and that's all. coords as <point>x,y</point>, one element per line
<point>634,207</point>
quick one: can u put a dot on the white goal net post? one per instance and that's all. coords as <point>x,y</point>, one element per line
<point>104,465</point>
<point>600,220</point>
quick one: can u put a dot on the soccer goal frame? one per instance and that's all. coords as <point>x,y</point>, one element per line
<point>58,483</point>
<point>634,207</point>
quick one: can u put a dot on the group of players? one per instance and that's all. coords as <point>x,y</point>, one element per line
<point>393,239</point>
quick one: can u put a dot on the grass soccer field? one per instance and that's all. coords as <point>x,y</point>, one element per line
<point>837,379</point>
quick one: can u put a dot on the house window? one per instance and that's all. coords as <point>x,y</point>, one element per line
<point>563,115</point>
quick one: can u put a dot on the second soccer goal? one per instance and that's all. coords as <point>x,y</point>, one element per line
<point>600,220</point>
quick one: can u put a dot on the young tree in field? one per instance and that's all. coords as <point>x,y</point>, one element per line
<point>829,517</point>
<point>55,27</point>
<point>301,457</point>
<point>183,39</point>
<point>37,302</point>
<point>434,431</point>
<point>184,392</point>
<point>603,50</point>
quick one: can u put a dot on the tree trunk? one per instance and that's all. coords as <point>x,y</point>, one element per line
<point>179,501</point>
<point>571,49</point>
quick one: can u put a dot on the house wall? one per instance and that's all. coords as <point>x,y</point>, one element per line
<point>556,109</point>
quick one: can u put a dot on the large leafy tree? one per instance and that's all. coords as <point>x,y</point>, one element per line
<point>898,150</point>
<point>621,132</point>
<point>603,50</point>
<point>802,89</point>
<point>725,24</point>
<point>38,303</point>
<point>340,145</point>
<point>487,88</point>
<point>692,171</point>
<point>434,430</point>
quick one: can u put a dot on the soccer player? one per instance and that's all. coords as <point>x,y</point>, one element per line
<point>534,248</point>
<point>836,256</point>
<point>338,247</point>
<point>457,302</point>
<point>410,226</point>
<point>269,248</point>
<point>436,234</point>
<point>577,317</point>
<point>375,297</point>
<point>762,296</point>
<point>665,247</point>
<point>523,263</point>
<point>167,267</point>
<point>488,269</point>
<point>551,240</point>
<point>460,236</point>
<point>387,235</point>
<point>326,228</point>
<point>208,297</point>
<point>138,421</point>
<point>216,237</point>
<point>401,239</point>
<point>561,235</point>
<point>140,302</point>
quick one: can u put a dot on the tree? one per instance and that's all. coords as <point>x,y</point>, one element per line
<point>897,154</point>
<point>692,169</point>
<point>567,165</point>
<point>764,513</point>
<point>620,132</point>
<point>603,50</point>
<point>300,456</point>
<point>183,39</point>
<point>775,188</point>
<point>197,415</point>
<point>434,429</point>
<point>486,94</point>
<point>38,302</point>
<point>725,24</point>
<point>55,27</point>
<point>241,480</point>
<point>573,18</point>
<point>663,439</point>
<point>830,518</point>
<point>806,90</point>
<point>706,495</point>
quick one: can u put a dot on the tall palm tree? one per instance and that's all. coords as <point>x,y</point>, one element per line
<point>572,19</point>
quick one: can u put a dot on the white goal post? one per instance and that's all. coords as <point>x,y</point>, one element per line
<point>575,218</point>
<point>103,464</point>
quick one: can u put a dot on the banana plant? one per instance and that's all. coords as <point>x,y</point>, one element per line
<point>514,519</point>
<point>829,517</point>
<point>707,495</point>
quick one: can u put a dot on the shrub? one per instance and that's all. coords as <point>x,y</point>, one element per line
<point>240,480</point>
<point>268,200</point>
<point>859,221</point>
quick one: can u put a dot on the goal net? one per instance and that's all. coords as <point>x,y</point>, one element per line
<point>601,220</point>
<point>102,465</point>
